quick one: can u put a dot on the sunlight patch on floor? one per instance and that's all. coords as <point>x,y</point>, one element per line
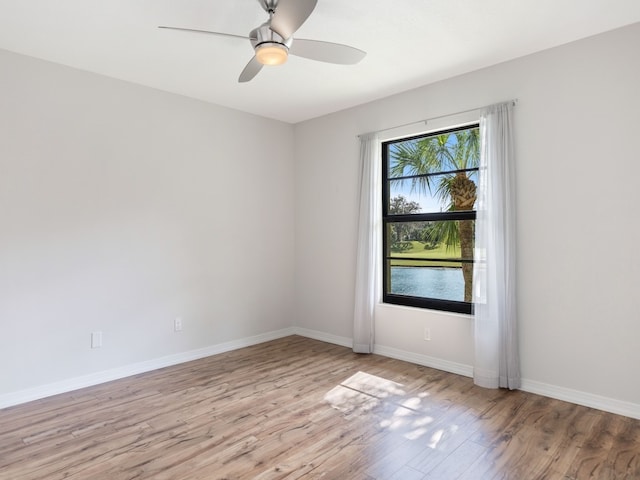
<point>363,392</point>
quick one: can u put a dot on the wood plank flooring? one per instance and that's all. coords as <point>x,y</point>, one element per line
<point>298,408</point>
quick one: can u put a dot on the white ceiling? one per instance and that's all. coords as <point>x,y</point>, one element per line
<point>409,43</point>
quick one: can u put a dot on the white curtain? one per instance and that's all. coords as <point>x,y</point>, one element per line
<point>496,342</point>
<point>368,257</point>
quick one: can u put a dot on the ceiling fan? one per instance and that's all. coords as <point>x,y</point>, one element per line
<point>273,41</point>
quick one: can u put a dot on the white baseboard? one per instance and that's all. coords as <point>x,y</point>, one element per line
<point>432,362</point>
<point>419,359</point>
<point>599,402</point>
<point>324,337</point>
<point>27,395</point>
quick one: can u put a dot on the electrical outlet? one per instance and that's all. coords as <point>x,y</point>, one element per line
<point>177,324</point>
<point>427,333</point>
<point>96,339</point>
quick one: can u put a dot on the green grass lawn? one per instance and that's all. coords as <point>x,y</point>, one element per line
<point>418,251</point>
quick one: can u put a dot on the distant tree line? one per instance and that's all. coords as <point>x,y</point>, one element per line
<point>402,234</point>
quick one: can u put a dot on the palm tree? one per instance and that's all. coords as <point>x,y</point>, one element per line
<point>453,153</point>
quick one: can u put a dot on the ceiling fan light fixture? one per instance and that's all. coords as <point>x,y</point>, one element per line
<point>272,53</point>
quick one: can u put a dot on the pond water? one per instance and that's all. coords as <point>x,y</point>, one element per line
<point>442,283</point>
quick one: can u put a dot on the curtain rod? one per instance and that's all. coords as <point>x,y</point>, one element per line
<point>513,102</point>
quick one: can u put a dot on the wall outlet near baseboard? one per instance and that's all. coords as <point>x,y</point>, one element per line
<point>177,324</point>
<point>427,333</point>
<point>96,339</point>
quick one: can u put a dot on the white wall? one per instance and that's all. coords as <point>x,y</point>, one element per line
<point>123,207</point>
<point>577,125</point>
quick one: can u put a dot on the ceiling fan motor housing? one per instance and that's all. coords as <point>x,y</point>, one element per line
<point>270,48</point>
<point>264,34</point>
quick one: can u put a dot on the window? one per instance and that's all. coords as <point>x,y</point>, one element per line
<point>428,203</point>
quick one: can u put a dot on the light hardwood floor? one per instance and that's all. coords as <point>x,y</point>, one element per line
<point>299,408</point>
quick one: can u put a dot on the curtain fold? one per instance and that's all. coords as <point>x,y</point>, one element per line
<point>496,341</point>
<point>367,289</point>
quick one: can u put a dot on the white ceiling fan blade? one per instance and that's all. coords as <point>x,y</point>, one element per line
<point>250,71</point>
<point>290,15</point>
<point>326,51</point>
<point>203,31</point>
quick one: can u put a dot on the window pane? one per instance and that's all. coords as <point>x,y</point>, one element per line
<point>435,241</point>
<point>424,194</point>
<point>429,282</point>
<point>430,259</point>
<point>456,150</point>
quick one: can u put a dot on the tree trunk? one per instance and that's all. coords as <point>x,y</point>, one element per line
<point>463,194</point>
<point>466,249</point>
